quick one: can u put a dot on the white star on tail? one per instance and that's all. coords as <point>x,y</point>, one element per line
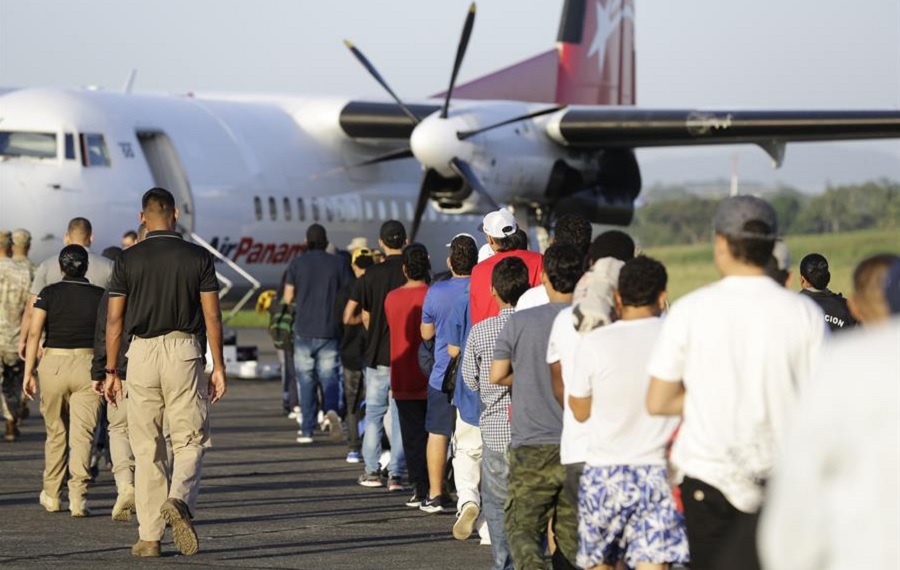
<point>608,19</point>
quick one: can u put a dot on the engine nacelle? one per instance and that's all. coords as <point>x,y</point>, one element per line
<point>603,196</point>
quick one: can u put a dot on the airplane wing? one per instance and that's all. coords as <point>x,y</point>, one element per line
<point>585,127</point>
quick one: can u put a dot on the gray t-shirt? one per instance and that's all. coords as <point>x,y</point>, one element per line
<point>48,272</point>
<point>536,416</point>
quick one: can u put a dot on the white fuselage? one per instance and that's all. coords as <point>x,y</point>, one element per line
<point>250,174</point>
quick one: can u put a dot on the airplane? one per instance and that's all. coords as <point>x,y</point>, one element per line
<point>552,134</point>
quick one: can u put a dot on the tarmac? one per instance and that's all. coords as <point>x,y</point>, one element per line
<point>265,502</point>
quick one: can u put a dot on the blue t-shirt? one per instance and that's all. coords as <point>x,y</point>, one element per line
<point>317,277</point>
<point>467,402</point>
<point>438,307</point>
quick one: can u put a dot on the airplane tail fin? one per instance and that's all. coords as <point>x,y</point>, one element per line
<point>593,62</point>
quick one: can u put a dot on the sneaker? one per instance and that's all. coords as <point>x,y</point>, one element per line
<point>305,439</point>
<point>465,521</point>
<point>124,506</point>
<point>146,549</point>
<point>335,426</point>
<point>370,480</point>
<point>50,503</point>
<point>396,484</point>
<point>294,414</point>
<point>432,506</point>
<point>11,430</point>
<point>415,501</point>
<point>177,515</point>
<point>354,457</point>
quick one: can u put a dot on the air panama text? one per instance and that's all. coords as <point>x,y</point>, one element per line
<point>247,250</point>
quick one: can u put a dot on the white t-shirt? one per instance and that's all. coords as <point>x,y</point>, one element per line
<point>611,367</point>
<point>534,297</point>
<point>834,499</point>
<point>564,339</point>
<point>744,348</point>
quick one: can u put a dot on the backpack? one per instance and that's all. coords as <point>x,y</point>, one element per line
<point>281,327</point>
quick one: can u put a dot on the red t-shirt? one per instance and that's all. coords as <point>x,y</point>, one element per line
<point>481,303</point>
<point>403,309</point>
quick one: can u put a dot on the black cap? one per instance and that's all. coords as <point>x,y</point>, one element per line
<point>393,233</point>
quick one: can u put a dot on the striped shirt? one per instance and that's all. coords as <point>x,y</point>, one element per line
<point>476,372</point>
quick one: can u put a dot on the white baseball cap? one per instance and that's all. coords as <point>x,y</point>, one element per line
<point>448,244</point>
<point>499,224</point>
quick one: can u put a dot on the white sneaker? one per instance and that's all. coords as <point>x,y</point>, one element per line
<point>304,439</point>
<point>465,522</point>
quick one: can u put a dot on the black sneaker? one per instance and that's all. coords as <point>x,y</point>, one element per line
<point>432,506</point>
<point>415,501</point>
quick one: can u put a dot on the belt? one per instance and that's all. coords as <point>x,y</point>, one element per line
<point>173,334</point>
<point>69,351</point>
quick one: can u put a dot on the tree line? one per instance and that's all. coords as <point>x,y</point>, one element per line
<point>680,218</point>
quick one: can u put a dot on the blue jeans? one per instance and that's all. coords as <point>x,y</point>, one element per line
<point>316,360</point>
<point>378,398</point>
<point>494,491</point>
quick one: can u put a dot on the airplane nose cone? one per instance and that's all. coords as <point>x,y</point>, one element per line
<point>434,143</point>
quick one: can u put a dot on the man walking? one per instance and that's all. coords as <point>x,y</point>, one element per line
<point>14,283</point>
<point>313,281</point>
<point>731,359</point>
<point>164,290</point>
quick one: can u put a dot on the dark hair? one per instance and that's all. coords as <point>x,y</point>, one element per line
<point>416,262</point>
<point>510,279</point>
<point>508,243</point>
<point>641,280</point>
<point>130,234</point>
<point>614,243</point>
<point>73,261</point>
<point>574,230</point>
<point>316,238</point>
<point>463,255</point>
<point>158,199</point>
<point>751,250</point>
<point>564,266</point>
<point>814,268</point>
<point>393,234</point>
<point>112,253</point>
<point>364,261</point>
<point>80,226</point>
<point>778,274</point>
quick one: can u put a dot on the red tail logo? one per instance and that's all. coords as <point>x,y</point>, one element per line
<point>593,63</point>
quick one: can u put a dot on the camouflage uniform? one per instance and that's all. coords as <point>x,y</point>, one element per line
<point>22,239</point>
<point>15,282</point>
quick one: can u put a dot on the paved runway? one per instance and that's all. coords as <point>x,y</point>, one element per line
<point>266,502</point>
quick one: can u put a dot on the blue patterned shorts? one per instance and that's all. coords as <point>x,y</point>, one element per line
<point>626,512</point>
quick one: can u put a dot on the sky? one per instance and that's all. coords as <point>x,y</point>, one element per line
<point>817,54</point>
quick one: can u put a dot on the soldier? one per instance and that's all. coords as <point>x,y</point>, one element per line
<point>14,283</point>
<point>21,245</point>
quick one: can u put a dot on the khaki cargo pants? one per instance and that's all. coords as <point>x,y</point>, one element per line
<point>164,376</point>
<point>70,408</point>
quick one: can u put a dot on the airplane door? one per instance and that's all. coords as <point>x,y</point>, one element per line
<point>167,172</point>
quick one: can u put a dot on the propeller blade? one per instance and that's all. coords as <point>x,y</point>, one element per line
<point>465,171</point>
<point>463,135</point>
<point>421,203</point>
<point>460,53</point>
<point>393,155</point>
<point>374,73</point>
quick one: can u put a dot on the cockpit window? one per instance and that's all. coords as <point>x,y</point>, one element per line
<point>94,151</point>
<point>32,145</point>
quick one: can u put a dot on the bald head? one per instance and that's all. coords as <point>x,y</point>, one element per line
<point>868,303</point>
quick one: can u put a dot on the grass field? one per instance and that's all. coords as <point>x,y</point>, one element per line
<point>691,266</point>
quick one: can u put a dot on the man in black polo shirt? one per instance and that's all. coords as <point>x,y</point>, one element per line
<point>312,283</point>
<point>369,295</point>
<point>165,290</point>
